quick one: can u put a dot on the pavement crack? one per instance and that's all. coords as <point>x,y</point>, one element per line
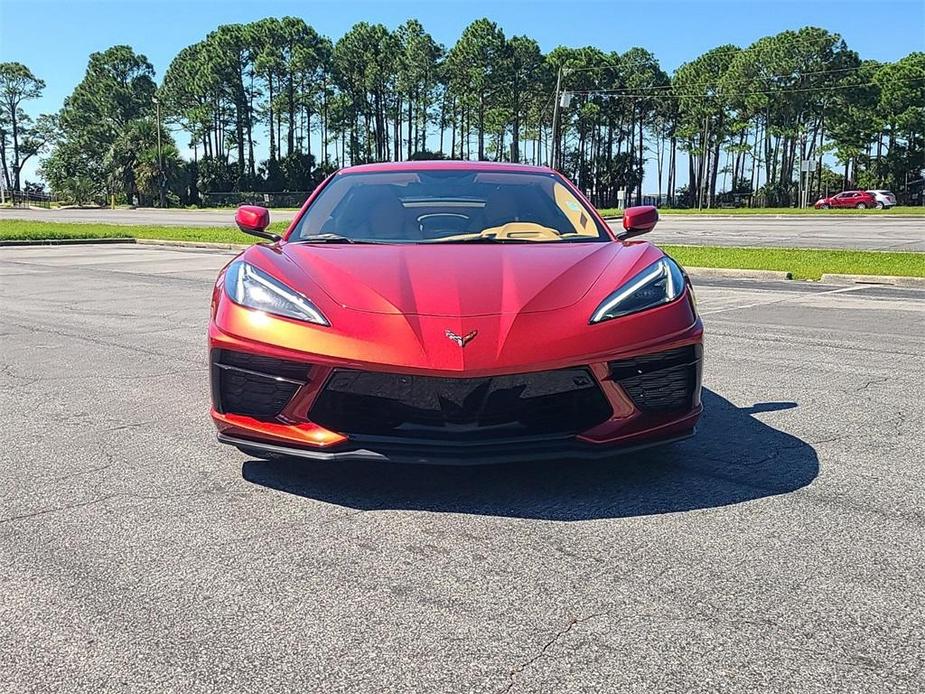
<point>58,509</point>
<point>791,340</point>
<point>868,384</point>
<point>128,426</point>
<point>120,378</point>
<point>119,495</point>
<point>88,471</point>
<point>518,669</point>
<point>36,328</point>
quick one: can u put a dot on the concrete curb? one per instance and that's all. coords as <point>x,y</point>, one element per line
<point>194,244</point>
<point>738,274</point>
<point>870,215</point>
<point>128,240</point>
<point>889,280</point>
<point>64,242</point>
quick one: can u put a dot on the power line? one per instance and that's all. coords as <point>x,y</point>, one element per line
<point>634,92</point>
<point>806,43</point>
<point>667,87</point>
<point>618,93</point>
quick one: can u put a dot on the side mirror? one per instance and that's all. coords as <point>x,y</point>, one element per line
<point>254,220</point>
<point>638,220</point>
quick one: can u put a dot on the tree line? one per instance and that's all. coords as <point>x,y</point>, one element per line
<point>275,106</point>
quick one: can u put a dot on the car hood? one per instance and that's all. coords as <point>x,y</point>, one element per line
<point>454,279</point>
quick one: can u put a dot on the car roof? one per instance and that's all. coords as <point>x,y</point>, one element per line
<point>444,165</point>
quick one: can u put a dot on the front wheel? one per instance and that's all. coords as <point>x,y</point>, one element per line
<point>825,206</point>
<point>879,205</point>
<point>861,206</point>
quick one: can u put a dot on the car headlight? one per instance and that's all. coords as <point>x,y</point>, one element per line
<point>660,283</point>
<point>253,288</point>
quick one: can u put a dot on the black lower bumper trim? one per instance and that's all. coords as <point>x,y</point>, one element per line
<point>563,449</point>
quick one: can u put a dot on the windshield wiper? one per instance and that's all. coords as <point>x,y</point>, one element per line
<point>330,238</point>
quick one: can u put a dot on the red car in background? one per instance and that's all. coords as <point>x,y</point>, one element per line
<point>452,312</point>
<point>860,199</point>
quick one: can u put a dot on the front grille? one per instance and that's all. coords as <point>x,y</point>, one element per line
<point>661,381</point>
<point>549,403</point>
<point>252,385</point>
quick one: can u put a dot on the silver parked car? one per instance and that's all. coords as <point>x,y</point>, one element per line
<point>885,199</point>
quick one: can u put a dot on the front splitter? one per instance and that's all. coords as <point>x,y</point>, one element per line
<point>456,455</point>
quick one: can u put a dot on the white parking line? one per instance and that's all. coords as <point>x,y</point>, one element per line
<point>780,301</point>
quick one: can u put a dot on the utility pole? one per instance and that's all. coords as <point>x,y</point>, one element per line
<point>803,183</point>
<point>160,158</point>
<point>554,153</point>
<point>703,160</point>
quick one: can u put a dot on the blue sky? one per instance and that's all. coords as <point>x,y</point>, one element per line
<point>54,38</point>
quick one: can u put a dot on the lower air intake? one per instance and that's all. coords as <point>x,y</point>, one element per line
<point>252,385</point>
<point>661,381</point>
<point>549,403</point>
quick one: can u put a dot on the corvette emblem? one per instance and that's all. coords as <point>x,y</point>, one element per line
<point>461,341</point>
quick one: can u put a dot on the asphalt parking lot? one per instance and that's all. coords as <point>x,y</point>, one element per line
<point>884,231</point>
<point>779,550</point>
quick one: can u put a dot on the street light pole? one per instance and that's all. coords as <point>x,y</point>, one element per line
<point>704,161</point>
<point>554,155</point>
<point>160,158</point>
<point>800,179</point>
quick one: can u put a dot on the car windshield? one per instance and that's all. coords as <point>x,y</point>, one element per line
<point>448,206</point>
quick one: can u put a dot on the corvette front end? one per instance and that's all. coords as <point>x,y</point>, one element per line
<point>484,353</point>
<point>610,398</point>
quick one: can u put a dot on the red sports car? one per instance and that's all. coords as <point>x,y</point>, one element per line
<point>452,312</point>
<point>860,199</point>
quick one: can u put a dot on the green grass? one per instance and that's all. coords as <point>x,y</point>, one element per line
<point>803,263</point>
<point>806,264</point>
<point>759,211</point>
<point>16,229</point>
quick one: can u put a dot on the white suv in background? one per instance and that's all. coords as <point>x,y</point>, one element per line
<point>885,199</point>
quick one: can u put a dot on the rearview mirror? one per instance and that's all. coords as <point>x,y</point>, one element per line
<point>638,220</point>
<point>252,219</point>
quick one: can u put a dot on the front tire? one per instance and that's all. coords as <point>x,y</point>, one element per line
<point>825,206</point>
<point>880,205</point>
<point>861,206</point>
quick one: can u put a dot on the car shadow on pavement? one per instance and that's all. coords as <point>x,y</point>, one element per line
<point>733,458</point>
